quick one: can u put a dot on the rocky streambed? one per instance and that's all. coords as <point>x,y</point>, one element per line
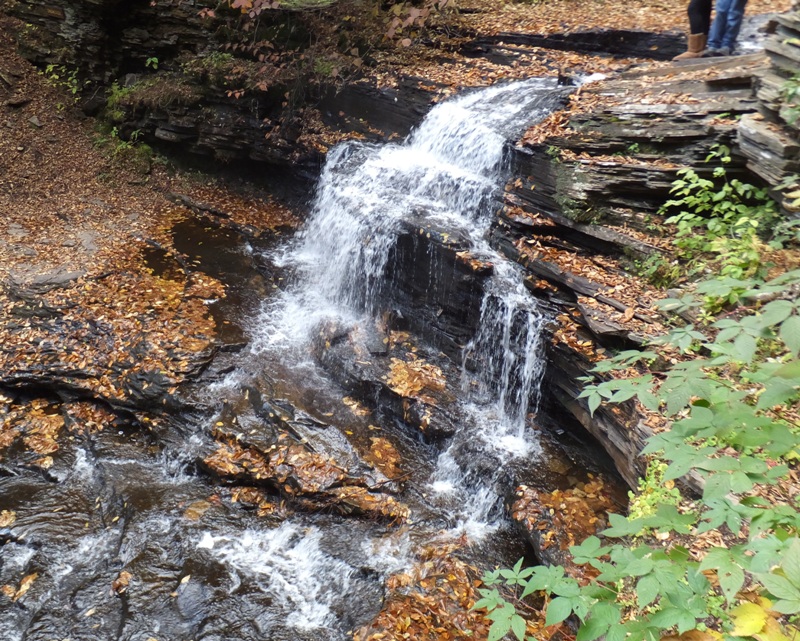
<point>362,427</point>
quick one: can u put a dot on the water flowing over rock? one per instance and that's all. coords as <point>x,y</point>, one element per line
<point>445,178</point>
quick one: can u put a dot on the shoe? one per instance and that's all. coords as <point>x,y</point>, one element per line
<point>696,43</point>
<point>711,53</point>
<point>724,51</point>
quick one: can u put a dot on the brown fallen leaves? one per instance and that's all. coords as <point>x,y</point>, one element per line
<point>15,594</point>
<point>357,408</point>
<point>119,334</point>
<point>432,600</point>
<point>120,584</point>
<point>40,423</point>
<point>559,519</point>
<point>572,334</point>
<point>258,498</point>
<point>383,455</point>
<point>554,125</point>
<point>559,16</point>
<point>411,377</point>
<point>311,480</point>
<point>37,422</point>
<point>195,510</point>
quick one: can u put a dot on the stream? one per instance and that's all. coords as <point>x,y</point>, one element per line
<point>300,564</point>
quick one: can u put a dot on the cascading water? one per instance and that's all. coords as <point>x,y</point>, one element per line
<point>447,173</point>
<point>288,563</point>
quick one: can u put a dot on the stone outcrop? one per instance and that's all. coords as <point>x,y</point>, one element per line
<point>579,208</point>
<point>106,38</point>
<point>383,369</point>
<point>177,82</point>
<point>768,139</point>
<point>630,43</point>
<point>553,521</point>
<point>624,154</point>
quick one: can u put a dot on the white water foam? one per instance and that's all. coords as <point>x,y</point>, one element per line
<point>449,172</point>
<point>289,564</point>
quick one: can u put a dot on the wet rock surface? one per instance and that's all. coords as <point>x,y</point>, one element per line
<point>437,285</point>
<point>193,519</point>
<point>133,544</point>
<point>398,381</point>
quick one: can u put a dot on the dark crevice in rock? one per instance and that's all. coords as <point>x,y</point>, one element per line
<point>615,42</point>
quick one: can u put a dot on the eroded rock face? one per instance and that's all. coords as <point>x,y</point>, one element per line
<point>176,83</point>
<point>582,211</point>
<point>103,38</point>
<point>437,285</point>
<point>384,369</point>
<point>309,471</point>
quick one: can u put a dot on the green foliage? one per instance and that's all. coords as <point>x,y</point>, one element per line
<point>117,98</point>
<point>323,67</point>
<point>660,271</point>
<point>132,153</point>
<point>64,78</point>
<point>719,220</point>
<point>652,492</point>
<point>155,91</point>
<point>151,63</point>
<point>214,69</point>
<point>554,153</point>
<point>731,430</point>
<point>222,70</point>
<point>790,93</point>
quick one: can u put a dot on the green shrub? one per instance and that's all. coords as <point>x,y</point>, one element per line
<point>733,434</point>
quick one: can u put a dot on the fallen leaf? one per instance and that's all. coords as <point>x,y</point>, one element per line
<point>24,586</point>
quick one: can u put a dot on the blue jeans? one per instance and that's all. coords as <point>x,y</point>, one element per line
<point>726,25</point>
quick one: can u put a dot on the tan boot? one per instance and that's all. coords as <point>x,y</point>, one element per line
<point>695,46</point>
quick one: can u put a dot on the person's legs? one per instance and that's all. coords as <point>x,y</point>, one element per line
<point>699,16</point>
<point>720,24</point>
<point>735,18</point>
<point>699,12</point>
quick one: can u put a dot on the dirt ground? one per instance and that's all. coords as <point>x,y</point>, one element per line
<point>557,16</point>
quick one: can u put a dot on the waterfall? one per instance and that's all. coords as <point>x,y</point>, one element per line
<point>450,172</point>
<point>201,562</point>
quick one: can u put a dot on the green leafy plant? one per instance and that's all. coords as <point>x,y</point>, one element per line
<point>151,63</point>
<point>790,93</point>
<point>732,431</point>
<point>719,220</point>
<point>66,79</point>
<point>652,492</point>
